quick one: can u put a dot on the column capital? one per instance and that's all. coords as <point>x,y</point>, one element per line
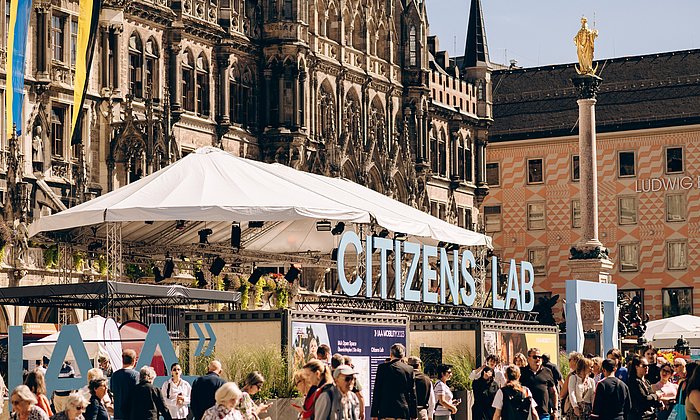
<point>587,85</point>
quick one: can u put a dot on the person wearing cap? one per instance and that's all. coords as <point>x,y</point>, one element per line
<point>338,402</point>
<point>425,394</point>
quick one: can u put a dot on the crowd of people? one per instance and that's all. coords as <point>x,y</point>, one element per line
<point>644,387</point>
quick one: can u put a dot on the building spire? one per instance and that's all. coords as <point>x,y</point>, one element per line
<point>476,51</point>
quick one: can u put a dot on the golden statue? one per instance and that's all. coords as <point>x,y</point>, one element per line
<point>584,40</point>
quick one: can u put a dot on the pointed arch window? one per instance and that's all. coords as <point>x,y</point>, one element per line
<point>412,46</point>
<point>434,154</point>
<point>442,153</point>
<point>188,82</point>
<point>460,159</point>
<point>202,86</point>
<point>468,160</point>
<point>152,56</point>
<point>135,66</point>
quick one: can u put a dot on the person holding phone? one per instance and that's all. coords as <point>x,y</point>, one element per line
<point>176,393</point>
<point>252,385</point>
<point>446,405</point>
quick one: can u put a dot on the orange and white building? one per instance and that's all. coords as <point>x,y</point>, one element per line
<point>648,151</point>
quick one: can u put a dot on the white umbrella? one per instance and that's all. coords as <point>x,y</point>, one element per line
<point>674,325</point>
<point>91,329</point>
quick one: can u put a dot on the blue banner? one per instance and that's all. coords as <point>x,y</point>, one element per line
<point>16,54</point>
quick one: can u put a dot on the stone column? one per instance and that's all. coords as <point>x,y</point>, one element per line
<point>589,258</point>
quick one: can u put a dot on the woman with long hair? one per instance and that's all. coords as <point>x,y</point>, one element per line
<point>580,391</point>
<point>446,405</point>
<point>484,388</point>
<point>176,393</point>
<point>691,392</point>
<point>252,385</point>
<point>520,360</point>
<point>24,406</point>
<point>644,400</point>
<point>669,390</point>
<point>319,378</point>
<point>574,357</point>
<point>511,393</point>
<point>36,383</point>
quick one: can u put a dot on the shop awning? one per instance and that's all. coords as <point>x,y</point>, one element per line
<point>213,188</point>
<point>100,296</point>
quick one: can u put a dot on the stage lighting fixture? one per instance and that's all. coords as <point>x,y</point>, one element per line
<point>179,224</point>
<point>292,273</point>
<point>94,246</point>
<point>323,226</point>
<point>256,224</point>
<point>255,275</point>
<point>383,233</point>
<point>204,236</point>
<point>216,266</point>
<point>401,237</point>
<point>148,222</point>
<point>338,229</point>
<point>157,274</point>
<point>334,254</point>
<point>201,281</point>
<point>236,236</point>
<point>168,268</point>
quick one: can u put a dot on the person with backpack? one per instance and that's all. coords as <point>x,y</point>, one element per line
<point>338,402</point>
<point>514,401</point>
<point>176,393</point>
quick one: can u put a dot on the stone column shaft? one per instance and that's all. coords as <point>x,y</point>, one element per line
<point>588,167</point>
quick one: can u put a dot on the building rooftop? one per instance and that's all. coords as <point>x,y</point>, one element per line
<point>646,91</point>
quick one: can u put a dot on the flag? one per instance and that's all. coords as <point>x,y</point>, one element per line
<point>16,51</point>
<point>88,18</point>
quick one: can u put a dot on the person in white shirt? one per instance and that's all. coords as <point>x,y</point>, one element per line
<point>176,393</point>
<point>581,388</point>
<point>513,385</point>
<point>493,361</point>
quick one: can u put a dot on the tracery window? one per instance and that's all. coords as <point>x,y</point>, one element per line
<point>188,82</point>
<point>202,86</point>
<point>135,66</point>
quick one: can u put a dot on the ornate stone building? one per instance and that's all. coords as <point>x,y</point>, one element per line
<point>351,88</point>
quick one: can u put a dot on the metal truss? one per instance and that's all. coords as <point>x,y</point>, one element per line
<point>417,311</point>
<point>114,250</point>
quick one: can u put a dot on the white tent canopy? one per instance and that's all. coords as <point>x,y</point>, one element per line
<point>672,327</point>
<point>217,188</point>
<point>91,330</point>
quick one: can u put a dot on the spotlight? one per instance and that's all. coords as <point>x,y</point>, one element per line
<point>292,273</point>
<point>201,281</point>
<point>401,237</point>
<point>256,224</point>
<point>255,275</point>
<point>338,229</point>
<point>236,235</point>
<point>204,236</point>
<point>383,233</point>
<point>148,222</point>
<point>334,254</point>
<point>216,266</point>
<point>452,247</point>
<point>168,268</point>
<point>323,226</point>
<point>179,224</point>
<point>158,276</point>
<point>94,246</point>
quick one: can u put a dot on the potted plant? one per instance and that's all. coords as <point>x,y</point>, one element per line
<point>78,260</point>
<point>462,366</point>
<point>244,288</point>
<point>51,256</point>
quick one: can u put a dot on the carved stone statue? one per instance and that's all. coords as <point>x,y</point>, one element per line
<point>37,145</point>
<point>584,41</point>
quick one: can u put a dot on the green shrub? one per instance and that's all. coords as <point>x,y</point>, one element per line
<point>462,366</point>
<point>269,361</point>
<point>564,363</point>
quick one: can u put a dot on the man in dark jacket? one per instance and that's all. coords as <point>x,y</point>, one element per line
<point>612,397</point>
<point>425,394</point>
<point>122,382</point>
<point>394,388</point>
<point>204,388</point>
<point>145,400</point>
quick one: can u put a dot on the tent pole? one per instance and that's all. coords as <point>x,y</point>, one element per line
<point>114,251</point>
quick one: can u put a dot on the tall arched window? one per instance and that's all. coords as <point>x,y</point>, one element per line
<point>151,69</point>
<point>434,157</point>
<point>412,46</point>
<point>333,24</point>
<point>326,120</point>
<point>442,149</point>
<point>359,34</point>
<point>468,160</point>
<point>188,82</point>
<point>135,66</point>
<point>241,103</point>
<point>202,79</point>
<point>460,159</point>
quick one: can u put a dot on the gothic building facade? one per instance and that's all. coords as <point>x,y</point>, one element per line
<point>351,88</point>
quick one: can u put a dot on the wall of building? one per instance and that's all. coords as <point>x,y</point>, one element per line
<point>664,266</point>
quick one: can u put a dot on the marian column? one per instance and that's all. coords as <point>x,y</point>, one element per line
<point>589,258</point>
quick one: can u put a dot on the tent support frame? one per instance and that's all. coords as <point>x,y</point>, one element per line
<point>114,250</point>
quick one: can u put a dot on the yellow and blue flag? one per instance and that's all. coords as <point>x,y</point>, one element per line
<point>87,32</point>
<point>17,34</point>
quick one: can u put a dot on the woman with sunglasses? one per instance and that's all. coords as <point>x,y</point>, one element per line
<point>446,405</point>
<point>251,385</point>
<point>644,400</point>
<point>24,406</point>
<point>75,407</point>
<point>176,393</point>
<point>669,391</point>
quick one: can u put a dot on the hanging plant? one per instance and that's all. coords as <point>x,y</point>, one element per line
<point>259,290</point>
<point>282,292</point>
<point>78,260</point>
<point>51,256</point>
<point>5,238</point>
<point>245,292</point>
<point>101,265</point>
<point>234,282</point>
<point>270,284</point>
<point>134,272</point>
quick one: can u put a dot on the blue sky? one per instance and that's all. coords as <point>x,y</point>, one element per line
<point>541,32</point>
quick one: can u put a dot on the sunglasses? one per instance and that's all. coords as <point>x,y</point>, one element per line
<point>678,365</point>
<point>644,366</point>
<point>15,402</point>
<point>536,357</point>
<point>349,379</point>
<point>81,408</point>
<point>669,371</point>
